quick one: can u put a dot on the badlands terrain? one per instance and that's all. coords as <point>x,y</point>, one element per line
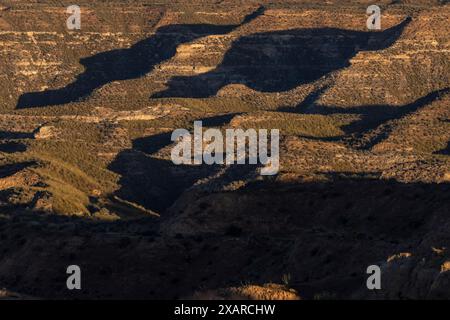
<point>86,178</point>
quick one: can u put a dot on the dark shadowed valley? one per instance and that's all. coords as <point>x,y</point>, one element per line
<point>87,176</point>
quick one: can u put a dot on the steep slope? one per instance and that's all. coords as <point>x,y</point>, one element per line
<point>86,175</point>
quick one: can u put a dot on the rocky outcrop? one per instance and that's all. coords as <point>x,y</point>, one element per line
<point>86,175</point>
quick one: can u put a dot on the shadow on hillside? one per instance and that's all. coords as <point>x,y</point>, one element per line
<point>154,143</point>
<point>8,146</point>
<point>11,169</point>
<point>323,235</point>
<point>156,183</point>
<point>337,229</point>
<point>125,64</point>
<point>371,116</point>
<point>282,60</point>
<point>445,151</point>
<point>12,147</point>
<point>10,135</point>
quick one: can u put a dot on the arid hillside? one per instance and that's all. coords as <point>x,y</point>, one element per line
<point>86,176</point>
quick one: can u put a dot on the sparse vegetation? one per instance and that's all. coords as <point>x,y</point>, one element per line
<point>91,180</point>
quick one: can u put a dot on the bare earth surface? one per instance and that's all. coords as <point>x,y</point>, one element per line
<point>86,176</point>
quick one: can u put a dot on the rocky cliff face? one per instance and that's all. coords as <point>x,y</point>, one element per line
<point>86,177</point>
